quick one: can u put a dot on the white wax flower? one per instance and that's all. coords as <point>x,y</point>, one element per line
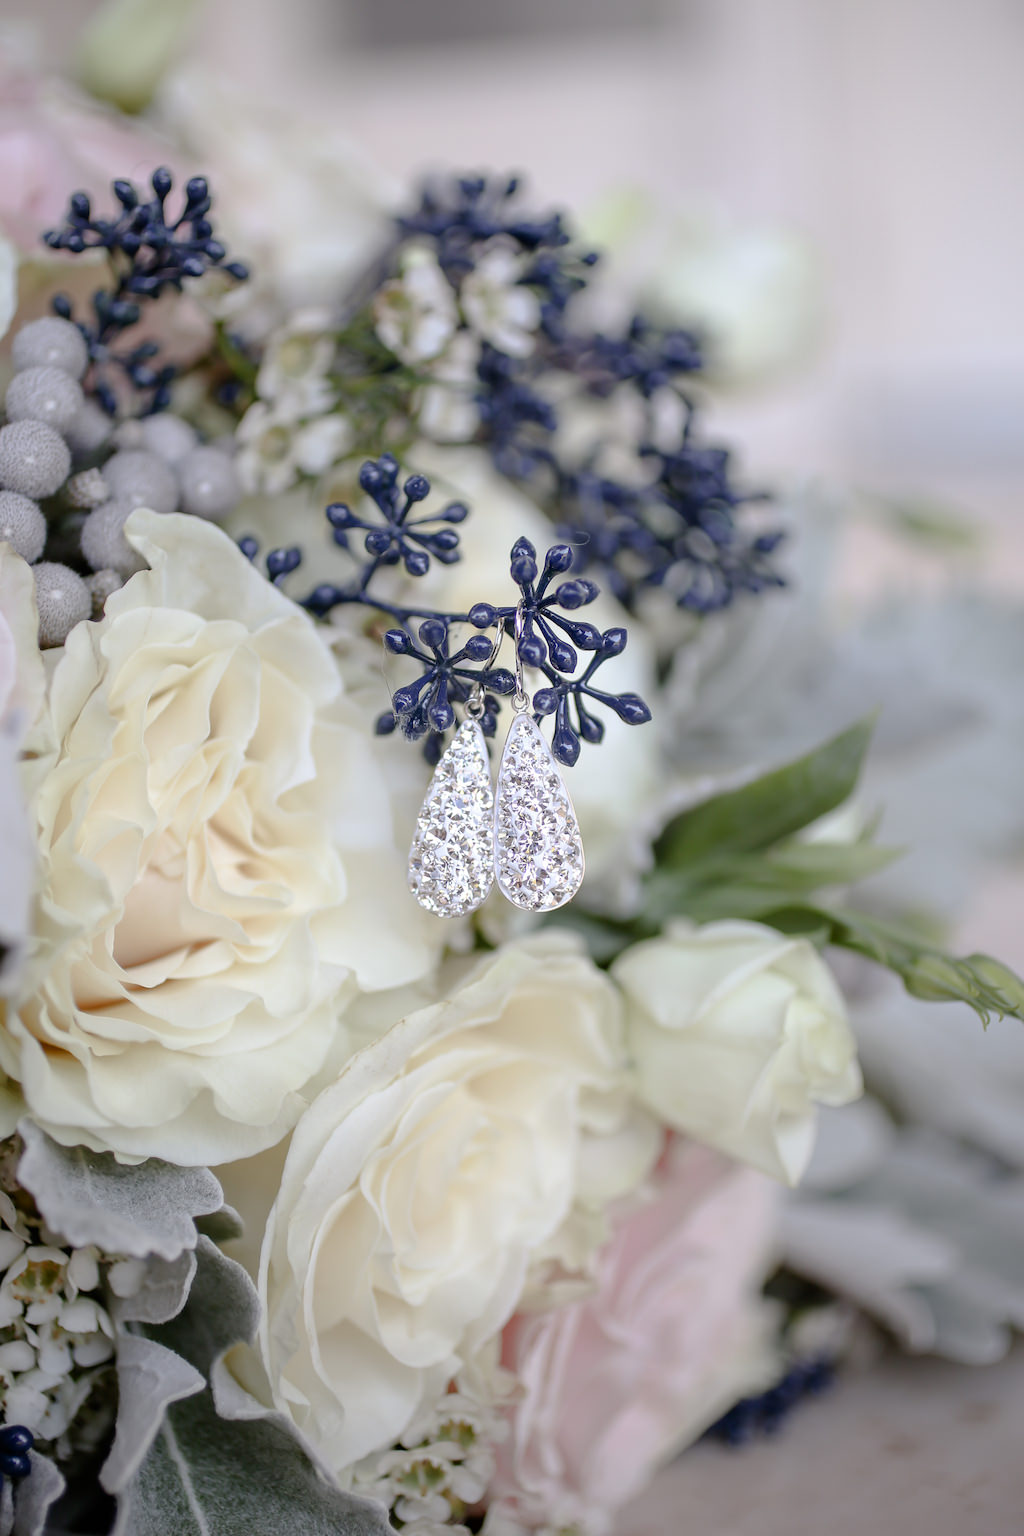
<point>419,1186</point>
<point>495,304</point>
<point>736,1034</point>
<point>415,314</point>
<point>218,870</point>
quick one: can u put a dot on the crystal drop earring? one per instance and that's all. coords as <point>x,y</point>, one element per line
<point>451,860</point>
<point>538,851</point>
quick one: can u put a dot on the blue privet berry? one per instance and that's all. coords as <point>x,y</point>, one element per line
<point>15,1443</point>
<point>452,668</point>
<point>677,527</point>
<point>765,1414</point>
<point>153,250</point>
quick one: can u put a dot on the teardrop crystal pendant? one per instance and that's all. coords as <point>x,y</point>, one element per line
<point>451,861</point>
<point>538,851</point>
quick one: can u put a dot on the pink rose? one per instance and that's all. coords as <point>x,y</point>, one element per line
<point>54,142</point>
<point>674,1333</point>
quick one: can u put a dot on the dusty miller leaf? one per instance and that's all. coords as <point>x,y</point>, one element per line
<point>89,1197</point>
<point>163,1293</point>
<point>241,1476</point>
<point>149,1378</point>
<point>25,1505</point>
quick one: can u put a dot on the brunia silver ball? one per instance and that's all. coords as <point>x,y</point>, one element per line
<point>140,477</point>
<point>209,482</point>
<point>22,525</point>
<point>44,394</point>
<point>50,343</point>
<point>87,489</point>
<point>168,436</point>
<point>101,584</point>
<point>34,459</point>
<point>104,545</point>
<point>63,600</point>
<point>89,431</point>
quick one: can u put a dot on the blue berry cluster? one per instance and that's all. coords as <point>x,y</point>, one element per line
<point>765,1414</point>
<point>550,636</point>
<point>15,1443</point>
<point>151,250</point>
<point>673,525</point>
<point>462,214</point>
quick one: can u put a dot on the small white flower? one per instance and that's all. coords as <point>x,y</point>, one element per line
<point>497,306</point>
<point>321,443</point>
<point>266,459</point>
<point>83,1270</point>
<point>415,314</point>
<point>297,359</point>
<point>15,1357</point>
<point>447,409</point>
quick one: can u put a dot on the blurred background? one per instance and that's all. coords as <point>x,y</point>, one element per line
<point>834,189</point>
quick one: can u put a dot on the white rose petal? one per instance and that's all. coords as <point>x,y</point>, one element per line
<point>219,872</point>
<point>418,1187</point>
<point>737,1033</point>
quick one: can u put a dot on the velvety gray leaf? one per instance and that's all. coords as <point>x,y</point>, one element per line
<point>208,1476</point>
<point>35,1496</point>
<point>223,1309</point>
<point>163,1293</point>
<point>89,1197</point>
<point>248,1475</point>
<point>149,1379</point>
<point>222,1226</point>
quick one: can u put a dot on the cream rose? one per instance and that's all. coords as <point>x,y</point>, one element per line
<point>736,1033</point>
<point>218,871</point>
<point>420,1185</point>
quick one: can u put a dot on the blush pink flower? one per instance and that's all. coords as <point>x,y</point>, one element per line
<point>54,142</point>
<point>674,1332</point>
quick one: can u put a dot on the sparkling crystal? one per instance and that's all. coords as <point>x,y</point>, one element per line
<point>451,861</point>
<point>538,852</point>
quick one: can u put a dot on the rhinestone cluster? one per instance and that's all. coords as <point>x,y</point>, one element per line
<point>451,862</point>
<point>538,852</point>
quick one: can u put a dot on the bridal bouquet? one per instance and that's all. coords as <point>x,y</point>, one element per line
<point>347,852</point>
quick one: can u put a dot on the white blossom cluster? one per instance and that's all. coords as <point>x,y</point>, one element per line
<point>298,425</point>
<point>443,1466</point>
<point>56,1334</point>
<point>293,428</point>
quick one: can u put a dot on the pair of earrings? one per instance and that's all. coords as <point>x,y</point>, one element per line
<point>524,835</point>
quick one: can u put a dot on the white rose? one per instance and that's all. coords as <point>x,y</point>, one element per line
<point>218,870</point>
<point>419,1186</point>
<point>736,1034</point>
<point>22,690</point>
<point>295,198</point>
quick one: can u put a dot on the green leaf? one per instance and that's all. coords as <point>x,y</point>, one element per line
<point>751,885</point>
<point>927,972</point>
<point>770,808</point>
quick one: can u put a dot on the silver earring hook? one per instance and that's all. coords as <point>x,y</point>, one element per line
<point>520,699</point>
<point>475,703</point>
